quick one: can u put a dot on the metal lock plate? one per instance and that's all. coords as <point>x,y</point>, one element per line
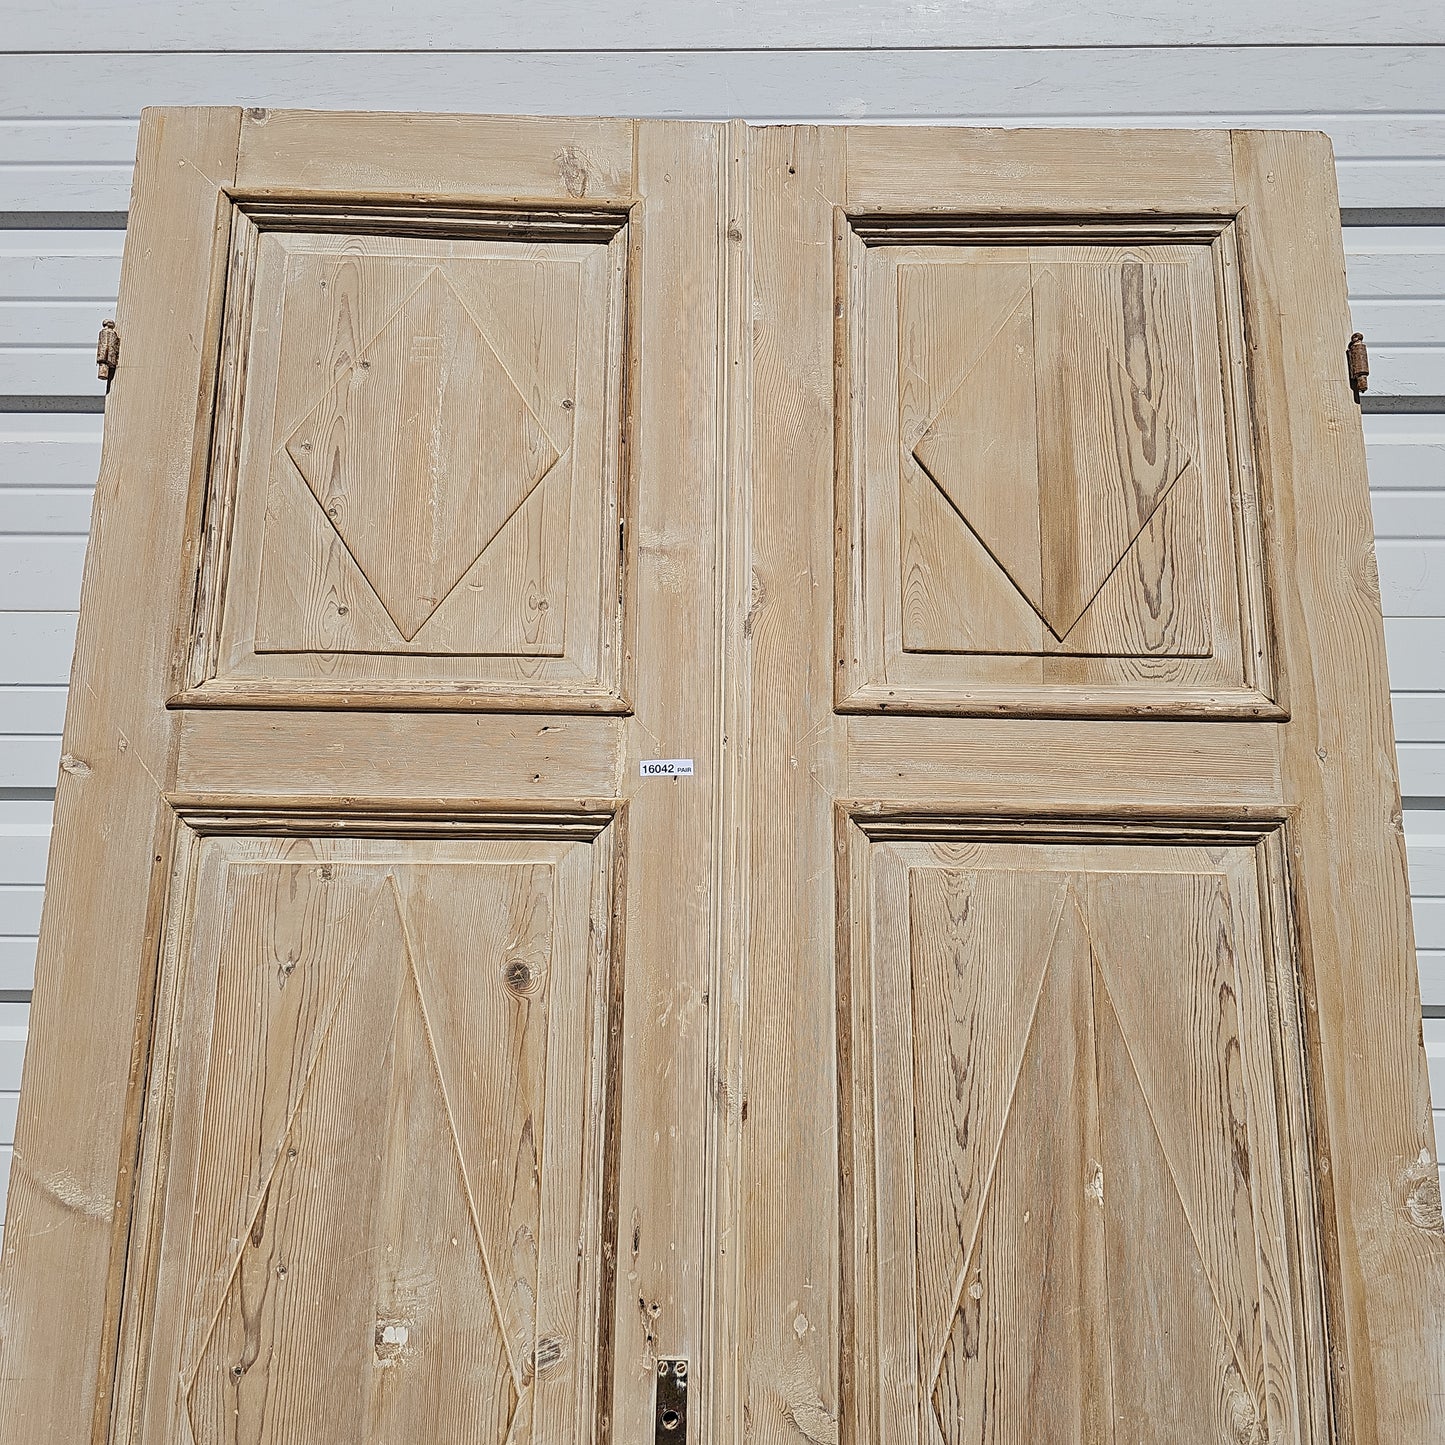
<point>671,1412</point>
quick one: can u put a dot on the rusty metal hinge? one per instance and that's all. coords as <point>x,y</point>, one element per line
<point>1358,360</point>
<point>107,351</point>
<point>671,1414</point>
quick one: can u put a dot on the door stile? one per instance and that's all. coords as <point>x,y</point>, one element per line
<point>92,995</point>
<point>1376,1156</point>
<point>719,1417</point>
<point>788,1166</point>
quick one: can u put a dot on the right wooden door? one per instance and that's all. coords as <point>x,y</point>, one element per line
<point>1083,1095</point>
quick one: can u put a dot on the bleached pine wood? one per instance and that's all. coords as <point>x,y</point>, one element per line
<point>383,1030</point>
<point>71,1177</point>
<point>795,1007</point>
<point>1384,1194</point>
<point>873,1361</point>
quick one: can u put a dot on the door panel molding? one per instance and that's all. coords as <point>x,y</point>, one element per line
<point>1057,1216</point>
<point>1048,489</point>
<point>355,976</point>
<point>366,343</point>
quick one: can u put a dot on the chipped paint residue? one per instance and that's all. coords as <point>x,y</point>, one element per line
<point>393,1338</point>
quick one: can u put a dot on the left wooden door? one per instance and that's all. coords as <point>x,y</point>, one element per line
<point>329,1133</point>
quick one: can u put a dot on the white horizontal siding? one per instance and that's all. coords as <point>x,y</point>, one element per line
<point>67,138</point>
<point>440,25</point>
<point>1368,177</point>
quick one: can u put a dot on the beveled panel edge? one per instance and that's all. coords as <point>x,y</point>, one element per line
<point>252,211</point>
<point>1151,825</point>
<point>884,227</point>
<point>425,216</point>
<point>1245,703</point>
<point>221,814</point>
<point>193,820</point>
<point>435,697</point>
<point>1263,694</point>
<point>1271,834</point>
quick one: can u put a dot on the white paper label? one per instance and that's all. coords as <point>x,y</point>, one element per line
<point>667,767</point>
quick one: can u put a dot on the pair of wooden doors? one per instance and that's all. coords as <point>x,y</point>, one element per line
<point>730,784</point>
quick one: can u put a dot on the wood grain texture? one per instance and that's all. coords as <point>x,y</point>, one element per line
<point>416,481</point>
<point>1072,1129</point>
<point>1049,173</point>
<point>423,1104</point>
<point>676,448</point>
<point>1193,1001</point>
<point>70,1184</point>
<point>950,1077</point>
<point>1382,1224</point>
<point>315,152</point>
<point>362,755</point>
<point>786,1378</point>
<point>1045,472</point>
<point>323,1029</point>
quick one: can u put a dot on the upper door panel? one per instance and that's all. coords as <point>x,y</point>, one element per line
<point>1051,502</point>
<point>415,488</point>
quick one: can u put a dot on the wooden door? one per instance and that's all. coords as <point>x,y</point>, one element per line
<point>765,748</point>
<point>1082,1090</point>
<point>404,560</point>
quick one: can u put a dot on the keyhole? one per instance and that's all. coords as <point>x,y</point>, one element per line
<point>671,1419</point>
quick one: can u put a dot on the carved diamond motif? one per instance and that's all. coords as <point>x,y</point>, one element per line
<point>350,1268</point>
<point>420,452</point>
<point>1096,458</point>
<point>1081,1181</point>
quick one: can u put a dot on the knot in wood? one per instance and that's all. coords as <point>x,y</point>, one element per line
<point>520,978</point>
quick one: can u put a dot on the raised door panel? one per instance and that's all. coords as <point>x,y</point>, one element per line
<point>375,1162</point>
<point>1051,498</point>
<point>415,489</point>
<point>1075,1082</point>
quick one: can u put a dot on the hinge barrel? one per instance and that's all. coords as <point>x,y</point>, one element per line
<point>107,351</point>
<point>1358,359</point>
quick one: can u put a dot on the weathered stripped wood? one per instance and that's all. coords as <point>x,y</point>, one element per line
<point>1388,1255</point>
<point>599,1141</point>
<point>884,837</point>
<point>912,1317</point>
